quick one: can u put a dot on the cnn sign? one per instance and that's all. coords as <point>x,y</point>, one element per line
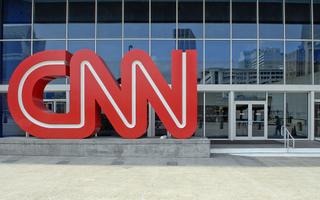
<point>93,87</point>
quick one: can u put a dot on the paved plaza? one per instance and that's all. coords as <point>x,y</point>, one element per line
<point>221,177</point>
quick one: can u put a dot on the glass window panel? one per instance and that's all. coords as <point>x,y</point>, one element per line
<point>271,23</point>
<point>244,19</point>
<point>249,96</point>
<point>217,62</point>
<point>17,19</point>
<point>244,62</point>
<point>317,63</point>
<point>161,54</point>
<point>41,45</point>
<point>298,63</point>
<point>163,23</point>
<point>316,18</point>
<point>13,53</point>
<point>111,52</point>
<point>76,45</point>
<point>275,114</point>
<point>271,62</point>
<point>135,44</point>
<point>81,19</point>
<point>109,19</point>
<point>298,19</point>
<point>199,131</point>
<point>297,114</point>
<point>190,18</point>
<point>54,95</point>
<point>8,126</point>
<point>136,18</point>
<point>49,19</point>
<point>216,122</point>
<point>217,19</point>
<point>195,45</point>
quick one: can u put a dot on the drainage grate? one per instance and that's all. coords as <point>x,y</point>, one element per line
<point>172,163</point>
<point>117,162</point>
<point>63,162</point>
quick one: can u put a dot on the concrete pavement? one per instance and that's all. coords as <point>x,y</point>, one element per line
<point>223,177</point>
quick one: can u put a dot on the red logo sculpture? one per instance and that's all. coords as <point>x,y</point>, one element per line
<point>92,88</point>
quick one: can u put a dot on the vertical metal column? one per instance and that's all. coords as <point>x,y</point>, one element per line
<point>311,115</point>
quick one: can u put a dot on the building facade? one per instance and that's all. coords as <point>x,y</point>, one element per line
<point>258,60</point>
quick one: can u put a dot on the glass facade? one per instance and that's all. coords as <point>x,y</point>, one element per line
<point>238,43</point>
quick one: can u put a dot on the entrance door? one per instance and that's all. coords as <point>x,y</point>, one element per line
<point>250,120</point>
<point>317,120</point>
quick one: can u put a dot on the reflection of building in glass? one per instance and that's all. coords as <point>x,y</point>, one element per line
<point>299,62</point>
<point>186,44</point>
<point>270,68</point>
<point>248,59</point>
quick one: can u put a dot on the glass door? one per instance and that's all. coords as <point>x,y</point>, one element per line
<point>257,120</point>
<point>317,120</point>
<point>250,120</point>
<point>242,120</point>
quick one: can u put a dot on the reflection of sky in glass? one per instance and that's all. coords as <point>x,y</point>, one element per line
<point>12,54</point>
<point>48,31</point>
<point>161,55</point>
<point>271,31</point>
<point>195,45</point>
<point>74,46</point>
<point>111,52</point>
<point>217,54</point>
<point>244,54</point>
<point>136,44</point>
<point>48,45</point>
<point>298,63</point>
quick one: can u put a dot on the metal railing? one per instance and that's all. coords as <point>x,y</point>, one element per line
<point>287,136</point>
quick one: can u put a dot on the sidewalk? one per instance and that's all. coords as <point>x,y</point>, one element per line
<point>223,177</point>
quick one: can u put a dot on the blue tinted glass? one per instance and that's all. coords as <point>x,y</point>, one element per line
<point>198,46</point>
<point>74,46</point>
<point>42,45</point>
<point>316,18</point>
<point>271,23</point>
<point>81,19</point>
<point>136,44</point>
<point>217,19</point>
<point>244,19</point>
<point>190,18</point>
<point>271,62</point>
<point>16,19</point>
<point>244,62</point>
<point>111,52</point>
<point>163,23</point>
<point>298,62</point>
<point>298,19</point>
<point>49,19</point>
<point>217,62</point>
<point>109,19</point>
<point>317,63</point>
<point>136,18</point>
<point>161,54</point>
<point>12,54</point>
<point>8,126</point>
